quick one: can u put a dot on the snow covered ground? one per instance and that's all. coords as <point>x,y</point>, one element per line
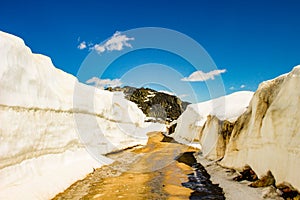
<point>53,128</point>
<point>233,190</point>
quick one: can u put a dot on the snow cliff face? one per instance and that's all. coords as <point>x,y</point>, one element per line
<point>267,135</point>
<point>48,119</point>
<point>214,137</point>
<point>263,134</point>
<point>194,123</point>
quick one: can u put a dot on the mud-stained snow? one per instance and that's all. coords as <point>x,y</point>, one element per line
<point>228,107</point>
<point>267,135</point>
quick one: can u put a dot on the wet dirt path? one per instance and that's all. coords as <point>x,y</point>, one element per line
<point>150,172</point>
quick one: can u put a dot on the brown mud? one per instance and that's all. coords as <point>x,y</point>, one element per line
<point>150,172</point>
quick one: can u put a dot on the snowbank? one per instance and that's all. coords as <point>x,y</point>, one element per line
<point>192,120</point>
<point>52,125</point>
<point>267,136</point>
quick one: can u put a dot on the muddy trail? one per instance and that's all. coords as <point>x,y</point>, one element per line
<point>163,169</point>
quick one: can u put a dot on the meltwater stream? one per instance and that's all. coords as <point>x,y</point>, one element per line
<point>199,180</point>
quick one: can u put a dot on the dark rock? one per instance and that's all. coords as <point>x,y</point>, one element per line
<point>288,191</point>
<point>265,181</point>
<point>154,104</point>
<point>247,174</point>
<point>172,128</point>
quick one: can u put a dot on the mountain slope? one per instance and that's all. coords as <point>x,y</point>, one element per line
<point>154,104</point>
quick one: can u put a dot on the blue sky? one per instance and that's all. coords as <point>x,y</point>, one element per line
<point>252,40</point>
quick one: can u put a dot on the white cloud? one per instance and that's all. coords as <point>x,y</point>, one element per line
<point>98,48</point>
<point>183,95</point>
<point>116,43</point>
<point>82,45</point>
<point>102,83</point>
<point>231,88</point>
<point>202,76</point>
<point>243,86</point>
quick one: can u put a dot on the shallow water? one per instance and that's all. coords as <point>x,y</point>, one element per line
<point>199,180</point>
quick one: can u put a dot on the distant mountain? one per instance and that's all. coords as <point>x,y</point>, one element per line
<point>155,105</point>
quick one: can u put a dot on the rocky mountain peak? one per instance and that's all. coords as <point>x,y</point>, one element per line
<point>157,106</point>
